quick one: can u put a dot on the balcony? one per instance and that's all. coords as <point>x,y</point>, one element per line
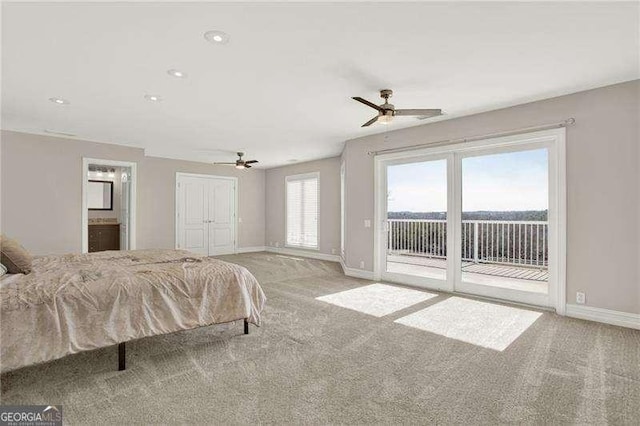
<point>512,254</point>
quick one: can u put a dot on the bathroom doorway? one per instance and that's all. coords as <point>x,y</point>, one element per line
<point>108,205</point>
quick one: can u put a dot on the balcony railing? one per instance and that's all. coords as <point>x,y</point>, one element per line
<point>523,243</point>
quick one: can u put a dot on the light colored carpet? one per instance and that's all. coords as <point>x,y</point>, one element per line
<point>313,362</point>
<point>489,325</point>
<point>377,299</point>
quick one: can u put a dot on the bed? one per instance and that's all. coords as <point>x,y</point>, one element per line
<point>73,303</point>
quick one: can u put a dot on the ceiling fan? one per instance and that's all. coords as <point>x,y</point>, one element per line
<point>387,111</point>
<point>240,163</point>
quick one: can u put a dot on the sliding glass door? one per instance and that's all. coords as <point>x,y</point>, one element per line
<point>416,216</point>
<point>480,218</point>
<point>504,228</point>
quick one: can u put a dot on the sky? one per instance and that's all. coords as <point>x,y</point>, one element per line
<point>513,181</point>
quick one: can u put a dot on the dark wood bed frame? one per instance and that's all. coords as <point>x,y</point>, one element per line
<point>122,349</point>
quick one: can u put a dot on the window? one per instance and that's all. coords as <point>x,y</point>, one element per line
<point>302,197</point>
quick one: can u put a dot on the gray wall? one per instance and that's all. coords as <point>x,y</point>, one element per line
<point>329,169</point>
<point>41,185</point>
<point>603,185</point>
<point>41,190</point>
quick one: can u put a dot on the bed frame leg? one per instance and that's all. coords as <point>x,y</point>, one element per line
<point>122,357</point>
<point>246,326</point>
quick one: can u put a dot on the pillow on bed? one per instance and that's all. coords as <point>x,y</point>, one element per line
<point>12,255</point>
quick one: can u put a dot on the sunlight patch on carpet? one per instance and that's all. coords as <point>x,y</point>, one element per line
<point>479,323</point>
<point>377,299</point>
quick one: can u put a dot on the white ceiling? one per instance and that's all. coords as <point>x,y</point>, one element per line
<point>281,89</point>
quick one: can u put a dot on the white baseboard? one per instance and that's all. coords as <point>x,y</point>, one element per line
<point>250,249</point>
<point>356,273</point>
<point>607,316</point>
<point>304,253</point>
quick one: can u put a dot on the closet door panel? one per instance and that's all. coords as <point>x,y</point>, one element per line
<point>194,215</point>
<point>221,216</point>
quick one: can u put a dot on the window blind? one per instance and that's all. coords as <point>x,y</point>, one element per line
<point>302,210</point>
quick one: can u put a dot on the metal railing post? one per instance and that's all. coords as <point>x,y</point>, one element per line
<point>475,242</point>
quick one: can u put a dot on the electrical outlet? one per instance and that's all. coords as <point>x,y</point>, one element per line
<point>271,243</point>
<point>333,251</point>
<point>362,264</point>
<point>277,243</point>
<point>367,223</point>
<point>581,298</point>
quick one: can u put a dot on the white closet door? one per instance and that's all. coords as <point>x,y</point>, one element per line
<point>193,214</point>
<point>221,216</point>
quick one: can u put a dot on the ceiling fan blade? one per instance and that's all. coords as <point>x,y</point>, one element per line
<point>250,161</point>
<point>370,122</point>
<point>367,103</point>
<point>247,166</point>
<point>225,164</point>
<point>418,112</point>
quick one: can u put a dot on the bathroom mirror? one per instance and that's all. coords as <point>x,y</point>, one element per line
<point>100,195</point>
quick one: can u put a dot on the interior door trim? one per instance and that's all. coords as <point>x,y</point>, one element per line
<point>133,167</point>
<point>177,205</point>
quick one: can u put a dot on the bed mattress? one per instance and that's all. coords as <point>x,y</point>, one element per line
<point>74,303</point>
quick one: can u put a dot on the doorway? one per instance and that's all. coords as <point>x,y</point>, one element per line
<point>504,224</point>
<point>108,205</point>
<point>417,211</point>
<point>206,212</point>
<point>484,218</point>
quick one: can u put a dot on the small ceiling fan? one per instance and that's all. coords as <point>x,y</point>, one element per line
<point>240,163</point>
<point>387,111</point>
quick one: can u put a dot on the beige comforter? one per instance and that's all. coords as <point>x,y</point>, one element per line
<point>75,303</point>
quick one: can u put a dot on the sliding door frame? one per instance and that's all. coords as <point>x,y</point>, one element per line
<point>519,296</point>
<point>381,219</point>
<point>554,140</point>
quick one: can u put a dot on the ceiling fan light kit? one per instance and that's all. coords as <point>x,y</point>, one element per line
<point>239,164</point>
<point>387,111</point>
<point>385,118</point>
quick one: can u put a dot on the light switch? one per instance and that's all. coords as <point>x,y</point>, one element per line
<point>367,223</point>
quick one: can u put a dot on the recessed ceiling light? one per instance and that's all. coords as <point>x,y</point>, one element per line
<point>217,37</point>
<point>59,101</point>
<point>177,73</point>
<point>153,98</point>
